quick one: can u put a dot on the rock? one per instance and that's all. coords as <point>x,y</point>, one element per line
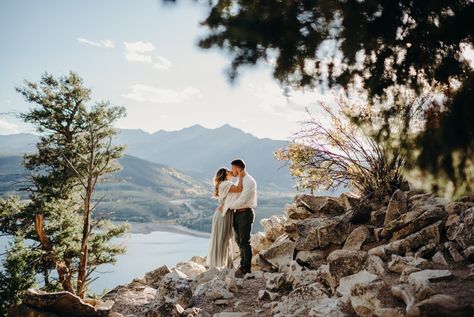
<point>215,288</point>
<point>320,205</point>
<point>61,303</point>
<point>153,278</point>
<point>166,309</point>
<point>222,302</point>
<point>375,265</point>
<point>259,242</point>
<point>443,305</point>
<point>453,251</point>
<point>469,253</point>
<point>377,217</point>
<point>457,207</point>
<point>273,226</point>
<point>397,206</point>
<point>311,259</point>
<point>291,228</point>
<point>174,288</point>
<point>413,220</point>
<point>303,278</point>
<point>199,259</point>
<point>403,292</point>
<point>349,201</point>
<point>276,281</point>
<point>280,253</point>
<point>439,258</point>
<point>191,312</point>
<point>364,298</point>
<point>230,314</point>
<point>321,232</point>
<point>356,238</point>
<point>132,298</point>
<point>297,212</point>
<point>346,262</point>
<point>308,301</point>
<point>348,282</point>
<point>267,295</point>
<point>461,230</point>
<point>426,251</point>
<point>399,263</point>
<point>430,234</point>
<point>422,278</point>
<point>23,310</point>
<point>191,269</point>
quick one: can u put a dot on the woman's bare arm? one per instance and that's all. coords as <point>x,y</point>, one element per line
<point>239,187</point>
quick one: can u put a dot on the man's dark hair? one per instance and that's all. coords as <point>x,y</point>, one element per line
<point>239,163</point>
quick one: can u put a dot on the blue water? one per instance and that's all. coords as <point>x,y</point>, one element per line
<point>145,252</point>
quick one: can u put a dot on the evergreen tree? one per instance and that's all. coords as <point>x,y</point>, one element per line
<point>75,149</point>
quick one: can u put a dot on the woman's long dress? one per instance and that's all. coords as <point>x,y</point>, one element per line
<point>220,243</point>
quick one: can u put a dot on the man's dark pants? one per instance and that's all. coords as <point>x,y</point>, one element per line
<point>243,221</point>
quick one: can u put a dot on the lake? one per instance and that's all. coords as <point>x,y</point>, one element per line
<point>145,252</point>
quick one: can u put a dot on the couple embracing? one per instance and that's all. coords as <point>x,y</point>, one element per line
<point>236,211</point>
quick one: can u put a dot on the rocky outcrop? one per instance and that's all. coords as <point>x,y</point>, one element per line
<point>325,256</point>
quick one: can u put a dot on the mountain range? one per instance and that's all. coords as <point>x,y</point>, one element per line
<point>196,150</point>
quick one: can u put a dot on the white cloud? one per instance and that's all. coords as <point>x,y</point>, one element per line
<point>142,52</point>
<point>8,127</point>
<point>100,43</point>
<point>161,63</point>
<point>145,93</point>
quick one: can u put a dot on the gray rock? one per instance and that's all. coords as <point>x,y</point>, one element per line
<point>320,205</point>
<point>443,305</point>
<point>461,229</point>
<point>397,206</point>
<point>273,226</point>
<point>427,235</point>
<point>280,253</point>
<point>356,238</point>
<point>311,259</point>
<point>153,278</point>
<point>346,262</point>
<point>439,258</point>
<point>348,282</point>
<point>321,232</point>
<point>399,263</point>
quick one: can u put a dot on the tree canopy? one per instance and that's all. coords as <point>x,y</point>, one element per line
<point>379,49</point>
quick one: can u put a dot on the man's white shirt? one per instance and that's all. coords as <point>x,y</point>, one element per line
<point>248,196</point>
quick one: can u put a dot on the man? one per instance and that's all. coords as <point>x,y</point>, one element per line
<point>244,216</point>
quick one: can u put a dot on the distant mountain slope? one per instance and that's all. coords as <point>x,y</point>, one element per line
<point>196,150</point>
<point>201,151</point>
<point>141,191</point>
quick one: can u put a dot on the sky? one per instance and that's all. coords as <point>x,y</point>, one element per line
<point>142,55</point>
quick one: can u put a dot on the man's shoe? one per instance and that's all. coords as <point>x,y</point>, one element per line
<point>239,273</point>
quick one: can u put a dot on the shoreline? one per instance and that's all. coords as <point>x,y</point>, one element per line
<point>163,226</point>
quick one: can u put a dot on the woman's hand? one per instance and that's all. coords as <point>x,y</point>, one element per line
<point>219,209</point>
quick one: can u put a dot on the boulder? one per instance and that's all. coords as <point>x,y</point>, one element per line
<point>400,263</point>
<point>346,283</point>
<point>259,242</point>
<point>321,232</point>
<point>297,212</point>
<point>153,278</point>
<point>311,259</point>
<point>346,262</point>
<point>191,269</point>
<point>175,288</point>
<point>23,310</point>
<point>320,205</point>
<point>276,281</point>
<point>397,206</point>
<point>443,305</point>
<point>460,229</point>
<point>430,234</point>
<point>215,288</point>
<point>425,216</point>
<point>132,298</point>
<point>356,238</point>
<point>273,226</point>
<point>422,278</point>
<point>199,259</point>
<point>280,253</point>
<point>61,303</point>
<point>166,309</point>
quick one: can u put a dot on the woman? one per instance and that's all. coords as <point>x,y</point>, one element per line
<point>220,243</point>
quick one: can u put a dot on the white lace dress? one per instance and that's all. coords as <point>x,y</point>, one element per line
<point>220,243</point>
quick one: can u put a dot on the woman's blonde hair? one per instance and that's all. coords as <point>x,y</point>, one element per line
<point>221,176</point>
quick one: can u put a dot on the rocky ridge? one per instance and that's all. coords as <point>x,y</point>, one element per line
<point>411,255</point>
